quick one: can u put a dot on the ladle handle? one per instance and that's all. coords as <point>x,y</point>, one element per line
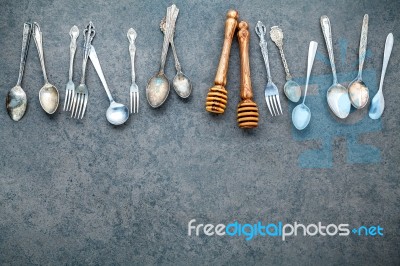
<point>386,56</point>
<point>26,37</point>
<point>95,61</point>
<point>230,27</point>
<point>37,34</point>
<point>245,82</point>
<point>363,45</point>
<point>326,29</point>
<point>312,50</point>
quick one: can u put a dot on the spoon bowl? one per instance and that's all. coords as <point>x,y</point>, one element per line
<point>301,116</point>
<point>358,93</point>
<point>338,100</point>
<point>377,106</point>
<point>157,90</point>
<point>117,113</point>
<point>182,85</point>
<point>292,91</point>
<point>16,103</point>
<point>49,98</point>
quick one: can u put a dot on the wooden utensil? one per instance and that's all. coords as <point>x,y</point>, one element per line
<point>247,112</point>
<point>217,96</point>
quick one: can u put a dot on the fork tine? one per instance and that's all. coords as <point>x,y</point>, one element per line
<point>73,104</point>
<point>269,106</point>
<point>78,99</point>
<point>271,99</point>
<point>84,106</point>
<point>137,102</point>
<point>276,105</point>
<point>66,100</point>
<point>80,105</point>
<point>279,103</point>
<point>131,100</point>
<point>70,98</point>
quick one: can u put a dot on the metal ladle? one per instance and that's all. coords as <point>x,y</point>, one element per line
<point>16,101</point>
<point>181,82</point>
<point>48,94</point>
<point>117,113</point>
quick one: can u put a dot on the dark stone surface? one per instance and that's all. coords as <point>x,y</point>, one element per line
<point>85,192</point>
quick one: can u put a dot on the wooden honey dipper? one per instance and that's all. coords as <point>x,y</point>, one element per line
<point>247,112</point>
<point>217,96</point>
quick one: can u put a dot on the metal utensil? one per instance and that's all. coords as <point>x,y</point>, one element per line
<point>134,90</point>
<point>157,89</point>
<point>271,91</point>
<point>80,100</point>
<point>301,114</point>
<point>117,113</point>
<point>48,94</point>
<point>16,101</point>
<point>70,87</point>
<point>378,102</point>
<point>358,91</point>
<point>337,95</point>
<point>181,82</point>
<point>292,89</point>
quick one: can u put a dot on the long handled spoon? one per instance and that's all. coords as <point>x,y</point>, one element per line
<point>16,101</point>
<point>378,102</point>
<point>48,94</point>
<point>301,114</point>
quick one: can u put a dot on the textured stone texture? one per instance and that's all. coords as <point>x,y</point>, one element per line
<point>85,192</point>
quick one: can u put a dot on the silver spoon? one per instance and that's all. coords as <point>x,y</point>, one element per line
<point>117,113</point>
<point>358,91</point>
<point>48,94</point>
<point>301,114</point>
<point>378,102</point>
<point>292,89</point>
<point>157,89</point>
<point>337,95</point>
<point>16,101</point>
<point>181,82</point>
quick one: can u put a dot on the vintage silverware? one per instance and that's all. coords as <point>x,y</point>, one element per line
<point>48,94</point>
<point>157,89</point>
<point>117,113</point>
<point>70,87</point>
<point>378,102</point>
<point>337,95</point>
<point>358,91</point>
<point>218,95</point>
<point>134,90</point>
<point>271,91</point>
<point>181,82</point>
<point>301,114</point>
<point>80,100</point>
<point>16,101</point>
<point>247,111</point>
<point>291,89</point>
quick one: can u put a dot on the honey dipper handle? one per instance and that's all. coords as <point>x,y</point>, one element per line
<point>230,27</point>
<point>245,83</point>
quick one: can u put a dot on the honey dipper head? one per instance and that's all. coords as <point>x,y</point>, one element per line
<point>247,114</point>
<point>216,99</point>
<point>232,14</point>
<point>243,25</point>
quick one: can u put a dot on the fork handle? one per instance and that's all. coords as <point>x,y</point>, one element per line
<point>245,80</point>
<point>230,27</point>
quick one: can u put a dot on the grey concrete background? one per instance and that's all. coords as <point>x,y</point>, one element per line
<point>85,192</point>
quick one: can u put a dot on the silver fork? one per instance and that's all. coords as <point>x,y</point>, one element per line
<point>70,88</point>
<point>271,91</point>
<point>134,90</point>
<point>80,100</point>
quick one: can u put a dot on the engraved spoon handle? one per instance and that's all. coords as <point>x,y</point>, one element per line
<point>74,33</point>
<point>177,64</point>
<point>386,56</point>
<point>326,29</point>
<point>277,37</point>
<point>172,15</point>
<point>363,45</point>
<point>26,37</point>
<point>261,30</point>
<point>285,65</point>
<point>132,51</point>
<point>37,34</point>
